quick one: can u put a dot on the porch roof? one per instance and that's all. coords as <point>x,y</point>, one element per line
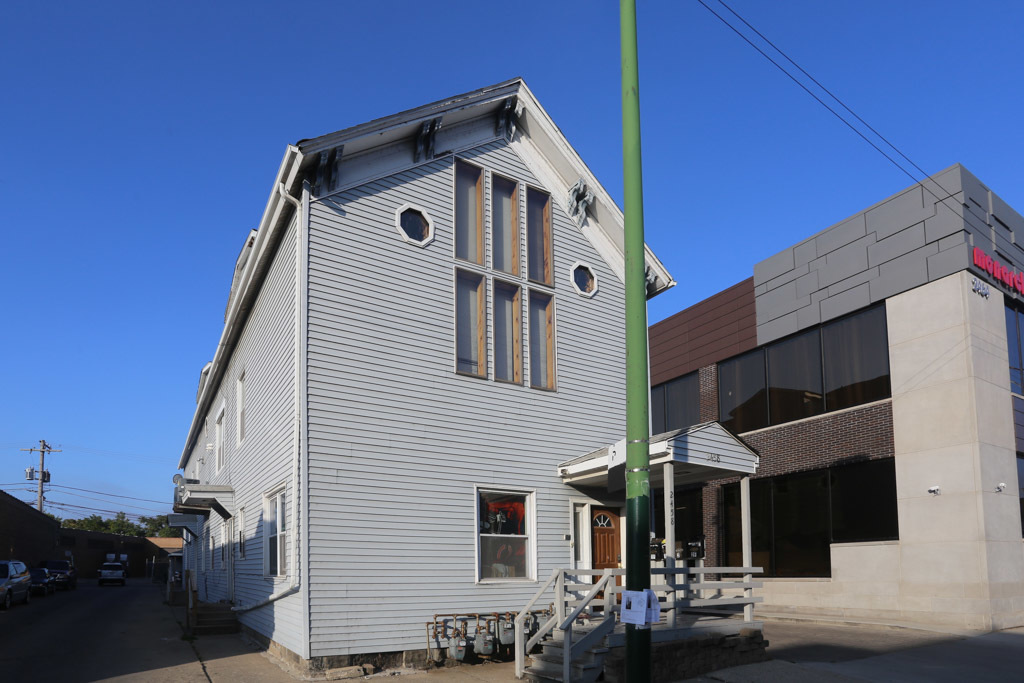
<point>220,499</point>
<point>698,453</point>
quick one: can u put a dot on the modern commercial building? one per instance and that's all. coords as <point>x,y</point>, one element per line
<point>876,369</point>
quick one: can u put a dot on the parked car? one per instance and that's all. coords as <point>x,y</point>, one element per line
<point>64,572</point>
<point>15,583</point>
<point>112,572</point>
<point>42,581</point>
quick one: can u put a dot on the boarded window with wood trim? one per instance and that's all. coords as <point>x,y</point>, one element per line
<point>542,340</point>
<point>538,236</point>
<point>505,218</point>
<point>469,213</point>
<point>508,354</point>
<point>470,339</point>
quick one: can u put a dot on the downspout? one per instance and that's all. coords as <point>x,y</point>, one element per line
<point>294,565</point>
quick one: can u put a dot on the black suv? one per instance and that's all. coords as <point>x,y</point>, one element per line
<point>64,572</point>
<point>15,583</point>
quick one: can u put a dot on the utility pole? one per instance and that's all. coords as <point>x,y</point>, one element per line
<point>43,449</point>
<point>638,475</point>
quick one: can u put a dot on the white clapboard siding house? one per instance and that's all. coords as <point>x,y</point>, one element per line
<point>427,321</point>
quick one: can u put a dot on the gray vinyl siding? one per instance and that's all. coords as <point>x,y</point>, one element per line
<point>264,460</point>
<point>397,440</point>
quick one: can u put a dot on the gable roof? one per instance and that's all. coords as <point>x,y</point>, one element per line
<point>530,131</point>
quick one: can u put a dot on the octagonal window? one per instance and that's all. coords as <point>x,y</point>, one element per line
<point>414,225</point>
<point>584,280</point>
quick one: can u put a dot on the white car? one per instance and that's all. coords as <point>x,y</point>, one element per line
<point>112,572</point>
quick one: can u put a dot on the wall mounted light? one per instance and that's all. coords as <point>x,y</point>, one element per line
<point>1001,486</point>
<point>934,490</point>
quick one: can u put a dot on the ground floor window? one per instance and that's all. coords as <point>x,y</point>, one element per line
<point>505,534</point>
<point>689,515</point>
<point>795,517</point>
<point>275,558</point>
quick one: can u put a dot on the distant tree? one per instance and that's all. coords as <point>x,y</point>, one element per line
<point>159,526</point>
<point>120,525</point>
<point>59,520</point>
<point>90,523</point>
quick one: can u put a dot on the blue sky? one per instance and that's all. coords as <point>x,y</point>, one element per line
<point>141,140</point>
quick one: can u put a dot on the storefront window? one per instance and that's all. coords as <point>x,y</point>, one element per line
<point>742,402</point>
<point>856,351</point>
<point>504,528</point>
<point>863,501</point>
<point>794,378</point>
<point>795,517</point>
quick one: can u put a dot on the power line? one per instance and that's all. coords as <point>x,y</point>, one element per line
<point>112,495</point>
<point>940,200</point>
<point>79,495</point>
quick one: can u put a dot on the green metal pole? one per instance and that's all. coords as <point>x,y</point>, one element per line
<point>638,476</point>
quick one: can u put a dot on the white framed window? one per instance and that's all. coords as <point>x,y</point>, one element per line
<point>240,406</point>
<point>414,225</point>
<point>240,526</point>
<point>583,279</point>
<point>275,534</point>
<point>209,547</point>
<point>218,440</point>
<point>506,537</point>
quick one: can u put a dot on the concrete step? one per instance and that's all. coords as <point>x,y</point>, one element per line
<point>555,650</point>
<point>214,629</point>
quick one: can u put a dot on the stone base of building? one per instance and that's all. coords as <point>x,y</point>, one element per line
<point>693,657</point>
<point>335,667</point>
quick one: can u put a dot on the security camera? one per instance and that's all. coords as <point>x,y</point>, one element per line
<point>934,490</point>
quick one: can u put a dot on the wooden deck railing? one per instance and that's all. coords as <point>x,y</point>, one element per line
<point>576,595</point>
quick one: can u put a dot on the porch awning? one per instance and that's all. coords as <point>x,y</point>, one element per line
<point>189,523</point>
<point>698,453</point>
<point>220,499</point>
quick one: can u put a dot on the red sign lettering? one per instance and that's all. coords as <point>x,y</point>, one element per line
<point>1010,277</point>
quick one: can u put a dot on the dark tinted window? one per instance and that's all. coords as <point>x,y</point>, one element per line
<point>682,402</point>
<point>1013,344</point>
<point>856,351</point>
<point>742,403</point>
<point>864,501</point>
<point>689,514</point>
<point>760,525</point>
<point>658,409</point>
<point>794,378</point>
<point>801,529</point>
<point>790,521</point>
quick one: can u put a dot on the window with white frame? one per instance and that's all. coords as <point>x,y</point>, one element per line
<point>275,534</point>
<point>240,523</point>
<point>218,440</point>
<point>209,547</point>
<point>240,406</point>
<point>505,535</point>
<point>223,545</point>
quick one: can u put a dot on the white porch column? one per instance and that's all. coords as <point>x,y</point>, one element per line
<point>748,609</point>
<point>668,500</point>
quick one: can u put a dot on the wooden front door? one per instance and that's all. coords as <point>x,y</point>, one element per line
<point>604,526</point>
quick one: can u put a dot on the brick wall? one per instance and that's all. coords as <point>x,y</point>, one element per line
<point>863,433</point>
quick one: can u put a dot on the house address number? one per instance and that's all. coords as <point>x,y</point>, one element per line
<point>980,287</point>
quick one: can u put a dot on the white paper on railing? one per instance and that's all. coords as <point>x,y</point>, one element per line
<point>634,608</point>
<point>653,607</point>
